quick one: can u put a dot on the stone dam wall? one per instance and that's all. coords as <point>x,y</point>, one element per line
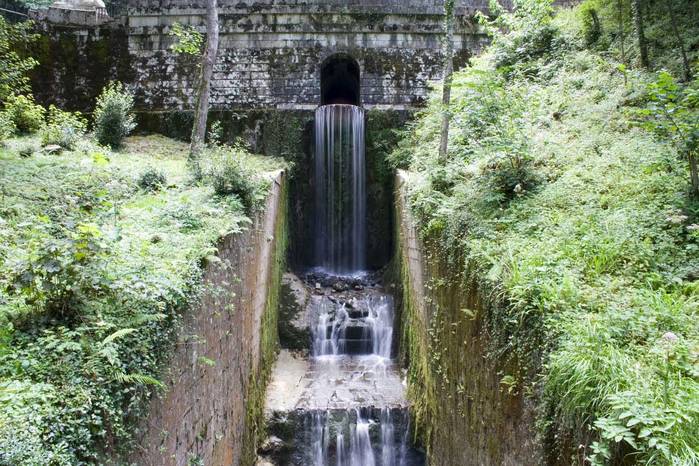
<point>224,352</point>
<point>457,398</point>
<point>270,55</point>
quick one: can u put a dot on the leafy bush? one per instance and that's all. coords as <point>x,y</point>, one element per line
<point>62,128</point>
<point>228,174</point>
<point>26,115</point>
<point>114,118</point>
<point>188,41</point>
<point>509,175</point>
<point>152,180</point>
<point>590,21</point>
<point>13,66</point>
<point>532,34</point>
<point>673,114</point>
<point>7,126</point>
<point>62,273</point>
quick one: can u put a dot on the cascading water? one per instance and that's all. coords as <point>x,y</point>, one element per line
<point>340,188</point>
<point>353,399</point>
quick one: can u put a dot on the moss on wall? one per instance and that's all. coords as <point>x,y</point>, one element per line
<point>381,138</point>
<point>74,65</point>
<point>463,408</point>
<point>269,342</point>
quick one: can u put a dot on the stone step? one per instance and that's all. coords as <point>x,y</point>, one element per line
<point>355,347</point>
<point>353,332</point>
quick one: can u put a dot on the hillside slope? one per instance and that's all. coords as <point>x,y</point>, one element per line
<point>577,224</point>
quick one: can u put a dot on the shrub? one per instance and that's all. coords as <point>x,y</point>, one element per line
<point>63,128</point>
<point>591,24</point>
<point>7,126</point>
<point>26,115</point>
<point>26,149</point>
<point>63,271</point>
<point>509,175</point>
<point>114,119</point>
<point>531,34</point>
<point>152,180</point>
<point>228,175</point>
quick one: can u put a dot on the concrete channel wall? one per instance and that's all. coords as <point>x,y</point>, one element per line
<point>207,413</point>
<point>459,403</point>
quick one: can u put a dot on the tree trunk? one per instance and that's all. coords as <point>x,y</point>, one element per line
<point>204,85</point>
<point>622,35</point>
<point>694,173</point>
<point>640,33</point>
<point>680,42</point>
<point>448,73</point>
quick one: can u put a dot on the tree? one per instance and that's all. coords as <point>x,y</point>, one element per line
<point>14,68</point>
<point>204,84</point>
<point>640,33</point>
<point>622,35</point>
<point>678,40</point>
<point>673,113</point>
<point>448,75</point>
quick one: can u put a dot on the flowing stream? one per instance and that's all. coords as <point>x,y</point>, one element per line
<point>356,412</point>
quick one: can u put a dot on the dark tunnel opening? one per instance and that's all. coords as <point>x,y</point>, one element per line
<point>339,81</point>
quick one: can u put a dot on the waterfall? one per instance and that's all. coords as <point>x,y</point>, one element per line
<point>340,188</point>
<point>358,437</point>
<point>362,326</point>
<point>355,412</point>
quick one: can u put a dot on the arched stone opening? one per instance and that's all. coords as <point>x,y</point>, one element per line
<point>339,81</point>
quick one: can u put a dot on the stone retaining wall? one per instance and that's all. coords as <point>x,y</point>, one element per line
<point>469,415</point>
<point>220,356</point>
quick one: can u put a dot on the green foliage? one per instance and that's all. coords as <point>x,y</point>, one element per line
<point>14,67</point>
<point>27,116</point>
<point>114,119</point>
<point>215,136</point>
<point>95,274</point>
<point>606,25</point>
<point>588,269</point>
<point>531,34</point>
<point>62,271</point>
<point>673,113</point>
<point>152,180</point>
<point>591,25</point>
<point>7,126</point>
<point>228,173</point>
<point>62,128</point>
<point>188,40</point>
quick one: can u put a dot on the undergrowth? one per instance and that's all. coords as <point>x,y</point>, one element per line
<point>98,261</point>
<point>577,224</point>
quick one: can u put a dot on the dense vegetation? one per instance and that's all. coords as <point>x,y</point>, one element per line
<point>566,196</point>
<point>100,253</point>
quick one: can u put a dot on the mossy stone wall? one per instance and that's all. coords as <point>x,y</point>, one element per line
<point>75,64</point>
<point>212,409</point>
<point>463,410</point>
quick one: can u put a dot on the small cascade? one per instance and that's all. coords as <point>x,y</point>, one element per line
<point>340,188</point>
<point>357,413</point>
<point>358,437</point>
<point>362,326</point>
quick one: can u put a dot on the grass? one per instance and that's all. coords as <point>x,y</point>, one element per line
<point>126,263</point>
<point>593,270</point>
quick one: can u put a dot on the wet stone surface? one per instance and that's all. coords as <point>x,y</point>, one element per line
<point>342,400</point>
